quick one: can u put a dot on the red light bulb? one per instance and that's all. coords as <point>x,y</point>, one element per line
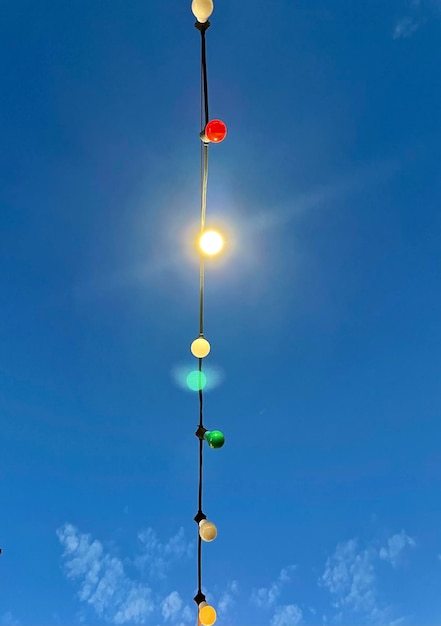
<point>215,131</point>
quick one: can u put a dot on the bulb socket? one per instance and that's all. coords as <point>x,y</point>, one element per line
<point>199,598</point>
<point>200,433</point>
<point>204,137</point>
<point>199,517</point>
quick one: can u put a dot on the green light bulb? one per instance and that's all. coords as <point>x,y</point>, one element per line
<point>196,380</point>
<point>214,438</point>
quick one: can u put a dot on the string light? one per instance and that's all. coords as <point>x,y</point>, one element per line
<point>202,9</point>
<point>200,348</point>
<point>207,530</point>
<point>215,131</point>
<point>207,614</point>
<point>196,380</point>
<point>210,243</point>
<point>214,438</point>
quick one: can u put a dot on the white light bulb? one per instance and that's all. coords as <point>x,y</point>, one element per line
<point>207,530</point>
<point>211,242</point>
<point>200,348</point>
<point>202,9</point>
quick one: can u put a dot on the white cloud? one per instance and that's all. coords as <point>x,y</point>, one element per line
<point>7,619</point>
<point>109,591</point>
<point>171,606</point>
<point>350,577</point>
<point>415,15</point>
<point>227,599</point>
<point>268,596</point>
<point>135,607</point>
<point>187,614</point>
<point>405,27</point>
<point>157,557</point>
<point>287,615</point>
<point>395,546</point>
<point>186,617</point>
<point>103,583</point>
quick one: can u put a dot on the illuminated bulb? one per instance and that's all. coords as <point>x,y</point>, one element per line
<point>215,131</point>
<point>200,348</point>
<point>211,242</point>
<point>196,380</point>
<point>214,438</point>
<point>207,530</point>
<point>207,614</point>
<point>202,9</point>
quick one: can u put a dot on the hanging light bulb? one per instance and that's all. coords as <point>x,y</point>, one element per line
<point>207,530</point>
<point>214,438</point>
<point>202,9</point>
<point>211,242</point>
<point>200,348</point>
<point>215,131</point>
<point>207,614</point>
<point>196,380</point>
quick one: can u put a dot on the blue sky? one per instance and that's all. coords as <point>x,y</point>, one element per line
<point>323,315</point>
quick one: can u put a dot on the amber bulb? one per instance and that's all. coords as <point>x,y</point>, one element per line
<point>207,530</point>
<point>207,614</point>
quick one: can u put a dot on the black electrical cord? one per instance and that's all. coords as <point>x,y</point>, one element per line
<point>204,66</point>
<point>200,597</point>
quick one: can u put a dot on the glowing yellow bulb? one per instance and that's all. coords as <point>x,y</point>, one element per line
<point>207,530</point>
<point>211,242</point>
<point>200,348</point>
<point>202,9</point>
<point>207,615</point>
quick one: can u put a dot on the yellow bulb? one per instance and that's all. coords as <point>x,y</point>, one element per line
<point>202,9</point>
<point>211,242</point>
<point>200,348</point>
<point>207,530</point>
<point>207,615</point>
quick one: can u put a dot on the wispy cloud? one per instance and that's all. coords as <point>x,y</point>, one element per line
<point>108,590</point>
<point>173,611</point>
<point>405,27</point>
<point>326,195</point>
<point>227,599</point>
<point>287,615</point>
<point>415,15</point>
<point>157,557</point>
<point>103,582</point>
<point>395,547</point>
<point>350,577</point>
<point>7,619</point>
<point>267,596</point>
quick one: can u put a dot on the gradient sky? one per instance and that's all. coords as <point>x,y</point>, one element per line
<point>323,315</point>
